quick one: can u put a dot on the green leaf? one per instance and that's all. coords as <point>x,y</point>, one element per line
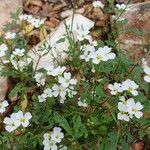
<point>76,125</point>
<point>64,123</point>
<point>16,90</point>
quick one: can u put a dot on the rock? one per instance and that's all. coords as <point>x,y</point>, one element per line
<point>3,87</point>
<point>6,8</point>
<point>58,52</point>
<point>138,16</point>
<point>68,13</point>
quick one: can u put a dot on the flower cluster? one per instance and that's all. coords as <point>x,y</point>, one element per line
<point>3,106</point>
<point>17,119</point>
<point>128,109</point>
<point>64,87</point>
<point>39,78</point>
<point>89,51</point>
<point>52,139</point>
<point>10,35</point>
<point>83,34</point>
<point>128,86</point>
<point>82,103</point>
<point>98,4</point>
<point>97,56</point>
<point>146,71</point>
<point>3,49</point>
<point>121,6</point>
<point>18,61</point>
<point>35,22</point>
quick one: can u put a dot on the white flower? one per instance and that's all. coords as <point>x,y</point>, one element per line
<point>115,89</point>
<point>83,34</point>
<point>98,4</point>
<point>118,18</point>
<point>3,49</point>
<point>11,123</point>
<point>122,106</point>
<point>144,63</point>
<point>58,71</point>
<point>121,6</point>
<point>82,103</point>
<point>49,69</point>
<point>35,22</point>
<point>42,98</point>
<point>23,17</point>
<point>21,63</point>
<point>130,86</point>
<point>19,52</point>
<point>123,116</point>
<point>58,90</point>
<point>93,43</point>
<point>51,139</point>
<point>134,108</point>
<point>55,71</point>
<point>49,145</point>
<point>66,80</point>
<point>102,54</point>
<point>86,51</point>
<point>147,76</point>
<point>57,135</point>
<point>70,91</point>
<point>10,35</point>
<point>85,56</point>
<point>122,98</point>
<point>62,100</point>
<point>47,136</point>
<point>39,77</point>
<point>48,92</point>
<point>23,118</point>
<point>3,106</point>
<point>17,119</point>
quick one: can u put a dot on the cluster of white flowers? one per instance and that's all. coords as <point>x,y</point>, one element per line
<point>3,106</point>
<point>118,18</point>
<point>17,119</point>
<point>83,34</point>
<point>96,56</point>
<point>3,49</point>
<point>52,71</point>
<point>18,61</point>
<point>98,4</point>
<point>128,109</point>
<point>39,78</point>
<point>121,6</point>
<point>52,139</point>
<point>82,103</point>
<point>64,87</point>
<point>35,22</point>
<point>10,35</point>
<point>146,71</point>
<point>128,85</point>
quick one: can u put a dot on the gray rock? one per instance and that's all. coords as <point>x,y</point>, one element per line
<point>6,8</point>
